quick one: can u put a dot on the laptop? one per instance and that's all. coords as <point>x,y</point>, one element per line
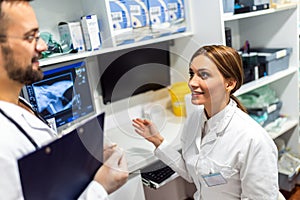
<point>62,169</point>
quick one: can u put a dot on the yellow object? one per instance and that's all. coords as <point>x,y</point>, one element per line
<point>177,92</point>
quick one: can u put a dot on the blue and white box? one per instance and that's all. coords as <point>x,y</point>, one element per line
<point>71,34</point>
<point>159,17</point>
<point>176,15</point>
<point>139,13</point>
<point>120,15</point>
<point>140,19</point>
<point>91,32</point>
<point>121,23</point>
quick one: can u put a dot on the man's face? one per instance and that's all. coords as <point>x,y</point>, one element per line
<point>21,51</point>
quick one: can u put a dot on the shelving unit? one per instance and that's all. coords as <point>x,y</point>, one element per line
<point>49,14</point>
<point>259,13</point>
<point>290,124</point>
<point>265,81</point>
<point>85,54</point>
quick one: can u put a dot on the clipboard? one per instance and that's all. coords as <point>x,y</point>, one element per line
<point>62,169</point>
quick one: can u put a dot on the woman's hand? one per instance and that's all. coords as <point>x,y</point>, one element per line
<point>147,129</point>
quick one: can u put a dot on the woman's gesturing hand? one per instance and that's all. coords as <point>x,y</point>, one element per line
<point>148,130</point>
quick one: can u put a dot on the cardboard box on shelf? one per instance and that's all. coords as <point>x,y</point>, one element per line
<point>71,34</point>
<point>91,32</point>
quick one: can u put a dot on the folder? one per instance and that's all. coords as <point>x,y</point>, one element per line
<point>62,169</point>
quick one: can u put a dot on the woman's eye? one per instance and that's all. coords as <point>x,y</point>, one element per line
<point>203,75</point>
<point>191,73</point>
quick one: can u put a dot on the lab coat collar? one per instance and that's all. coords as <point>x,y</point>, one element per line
<point>20,115</point>
<point>216,125</point>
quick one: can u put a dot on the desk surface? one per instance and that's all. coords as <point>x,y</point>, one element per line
<point>138,151</point>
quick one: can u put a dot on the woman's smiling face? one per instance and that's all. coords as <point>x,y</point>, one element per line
<point>207,84</point>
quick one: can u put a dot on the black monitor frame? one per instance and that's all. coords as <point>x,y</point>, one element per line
<point>64,96</point>
<point>129,72</point>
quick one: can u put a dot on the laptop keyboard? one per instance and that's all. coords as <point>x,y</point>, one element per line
<point>159,172</point>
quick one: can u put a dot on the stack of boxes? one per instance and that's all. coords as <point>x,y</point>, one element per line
<point>121,22</point>
<point>128,21</point>
<point>261,62</point>
<point>81,36</point>
<point>140,20</point>
<point>71,35</point>
<point>176,15</point>
<point>149,18</point>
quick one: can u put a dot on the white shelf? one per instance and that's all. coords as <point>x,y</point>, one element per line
<point>265,80</point>
<point>260,12</point>
<point>68,57</point>
<point>288,125</point>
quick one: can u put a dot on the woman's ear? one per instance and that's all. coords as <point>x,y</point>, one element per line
<point>230,84</point>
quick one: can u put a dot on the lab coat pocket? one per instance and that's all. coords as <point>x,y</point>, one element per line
<point>209,166</point>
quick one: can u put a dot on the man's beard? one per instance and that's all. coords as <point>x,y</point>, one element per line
<point>24,75</point>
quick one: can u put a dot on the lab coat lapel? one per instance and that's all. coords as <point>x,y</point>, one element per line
<point>208,141</point>
<point>199,133</point>
<point>216,126</point>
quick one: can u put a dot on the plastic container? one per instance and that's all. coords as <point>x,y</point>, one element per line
<point>273,60</point>
<point>177,93</point>
<point>288,167</point>
<point>249,65</point>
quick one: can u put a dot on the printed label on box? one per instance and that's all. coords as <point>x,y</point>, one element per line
<point>71,34</point>
<point>176,15</point>
<point>91,32</point>
<point>121,22</point>
<point>176,9</point>
<point>120,14</point>
<point>158,11</point>
<point>139,13</point>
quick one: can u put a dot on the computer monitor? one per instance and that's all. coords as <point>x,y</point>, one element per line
<point>128,72</point>
<point>64,95</point>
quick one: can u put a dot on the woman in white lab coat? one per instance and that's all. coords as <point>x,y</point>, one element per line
<point>225,153</point>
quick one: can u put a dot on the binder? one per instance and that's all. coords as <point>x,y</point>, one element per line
<point>62,169</point>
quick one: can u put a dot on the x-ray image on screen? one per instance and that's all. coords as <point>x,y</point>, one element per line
<point>64,93</point>
<point>56,96</point>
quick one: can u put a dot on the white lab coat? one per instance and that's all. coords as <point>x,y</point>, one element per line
<point>14,145</point>
<point>234,145</point>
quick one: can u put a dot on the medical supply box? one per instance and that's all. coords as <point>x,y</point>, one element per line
<point>266,114</point>
<point>176,16</point>
<point>121,22</point>
<point>250,66</point>
<point>140,20</point>
<point>288,167</point>
<point>243,6</point>
<point>262,104</point>
<point>71,34</point>
<point>91,32</point>
<point>273,60</point>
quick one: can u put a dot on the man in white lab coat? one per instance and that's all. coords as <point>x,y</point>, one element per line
<point>22,131</point>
